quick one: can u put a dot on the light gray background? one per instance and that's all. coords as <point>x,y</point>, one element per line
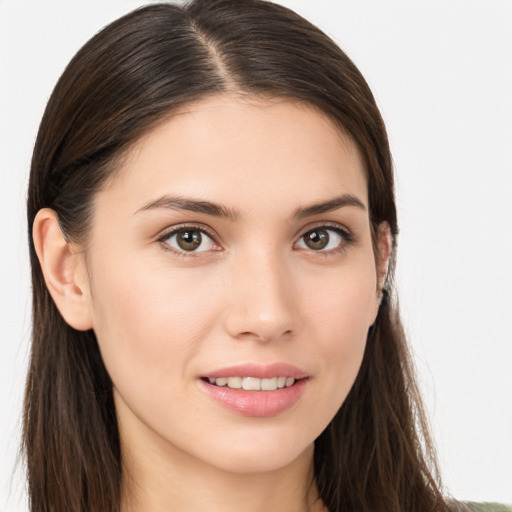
<point>441,71</point>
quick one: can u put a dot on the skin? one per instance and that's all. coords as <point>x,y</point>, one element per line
<point>255,292</point>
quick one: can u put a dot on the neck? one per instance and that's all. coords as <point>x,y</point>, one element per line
<point>156,483</point>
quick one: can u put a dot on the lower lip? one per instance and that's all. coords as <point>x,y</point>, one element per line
<point>259,404</point>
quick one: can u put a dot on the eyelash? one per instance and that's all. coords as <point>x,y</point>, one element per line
<point>175,230</point>
<point>348,238</point>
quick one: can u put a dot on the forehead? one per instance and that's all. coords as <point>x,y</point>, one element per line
<point>239,151</point>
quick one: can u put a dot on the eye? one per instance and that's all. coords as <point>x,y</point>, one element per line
<point>324,239</point>
<point>189,239</point>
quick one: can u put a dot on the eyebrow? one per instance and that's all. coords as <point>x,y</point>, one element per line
<point>329,206</point>
<point>192,205</point>
<point>216,210</point>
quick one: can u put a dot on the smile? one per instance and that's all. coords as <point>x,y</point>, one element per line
<point>253,383</point>
<point>256,390</point>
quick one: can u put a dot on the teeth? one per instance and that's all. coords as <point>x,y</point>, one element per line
<point>253,383</point>
<point>234,382</point>
<point>269,384</point>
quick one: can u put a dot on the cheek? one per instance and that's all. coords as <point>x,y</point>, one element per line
<point>340,316</point>
<point>149,322</point>
<point>342,303</point>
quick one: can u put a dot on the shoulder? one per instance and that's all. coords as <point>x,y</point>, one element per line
<point>472,506</point>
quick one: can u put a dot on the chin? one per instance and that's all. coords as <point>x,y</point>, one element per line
<point>253,463</point>
<point>264,454</point>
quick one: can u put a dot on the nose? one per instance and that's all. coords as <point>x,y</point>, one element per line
<point>261,299</point>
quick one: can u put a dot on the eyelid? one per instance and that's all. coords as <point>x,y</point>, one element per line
<point>170,231</point>
<point>340,229</point>
<point>326,224</point>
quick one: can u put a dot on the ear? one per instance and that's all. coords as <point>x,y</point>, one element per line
<point>384,247</point>
<point>64,270</point>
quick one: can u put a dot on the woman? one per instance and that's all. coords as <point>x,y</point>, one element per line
<point>212,229</point>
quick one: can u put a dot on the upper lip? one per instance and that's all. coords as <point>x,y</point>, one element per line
<point>261,371</point>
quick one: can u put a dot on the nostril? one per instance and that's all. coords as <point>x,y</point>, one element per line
<point>263,338</point>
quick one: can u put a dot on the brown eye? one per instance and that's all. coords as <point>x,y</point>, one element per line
<point>324,239</point>
<point>317,239</point>
<point>189,240</point>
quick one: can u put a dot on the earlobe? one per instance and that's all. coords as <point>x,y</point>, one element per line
<point>63,270</point>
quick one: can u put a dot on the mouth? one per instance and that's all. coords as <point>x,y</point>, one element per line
<point>256,390</point>
<point>252,383</point>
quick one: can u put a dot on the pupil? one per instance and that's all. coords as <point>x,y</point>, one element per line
<point>189,240</point>
<point>317,239</point>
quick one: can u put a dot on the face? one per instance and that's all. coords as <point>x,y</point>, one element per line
<point>233,248</point>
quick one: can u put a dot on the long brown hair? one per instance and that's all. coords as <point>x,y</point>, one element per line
<point>376,454</point>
